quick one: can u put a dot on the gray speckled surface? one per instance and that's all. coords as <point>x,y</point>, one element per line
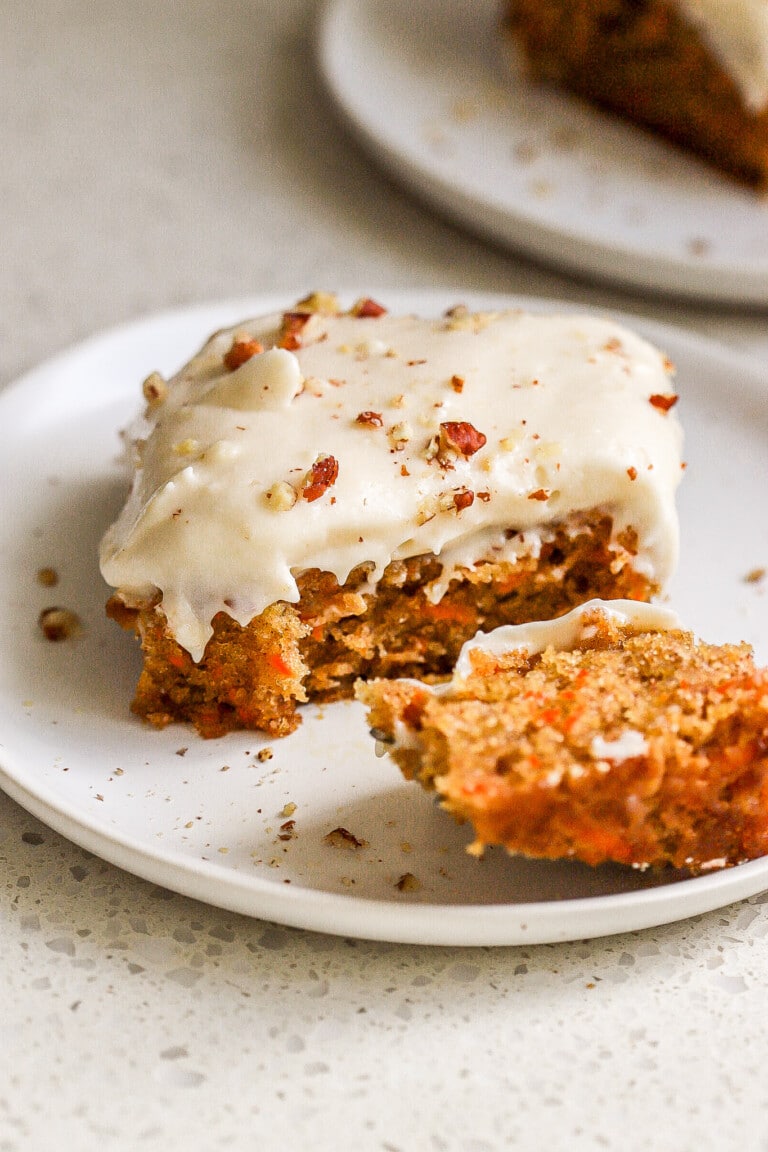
<point>161,153</point>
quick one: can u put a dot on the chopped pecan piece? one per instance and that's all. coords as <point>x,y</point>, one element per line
<point>243,348</point>
<point>367,309</point>
<point>399,435</point>
<point>282,496</point>
<point>326,303</point>
<point>290,333</point>
<point>462,499</point>
<point>371,419</point>
<point>321,476</point>
<point>539,494</point>
<point>632,473</point>
<point>460,437</point>
<point>457,383</point>
<point>664,403</point>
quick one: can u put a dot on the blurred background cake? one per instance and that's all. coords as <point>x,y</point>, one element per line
<point>694,70</point>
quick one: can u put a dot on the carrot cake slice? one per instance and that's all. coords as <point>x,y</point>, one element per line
<point>609,734</point>
<point>694,70</point>
<point>325,495</point>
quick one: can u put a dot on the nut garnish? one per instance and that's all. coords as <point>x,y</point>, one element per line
<point>462,499</point>
<point>59,624</point>
<point>460,437</point>
<point>326,303</point>
<point>321,476</point>
<point>264,754</point>
<point>366,309</point>
<point>457,383</point>
<point>242,350</point>
<point>281,496</point>
<point>370,419</point>
<point>399,435</point>
<point>755,576</point>
<point>632,472</point>
<point>664,403</point>
<point>342,838</point>
<point>539,494</point>
<point>154,388</point>
<point>290,333</point>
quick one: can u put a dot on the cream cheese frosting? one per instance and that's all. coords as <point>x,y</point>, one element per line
<point>737,33</point>
<point>566,632</point>
<point>370,439</point>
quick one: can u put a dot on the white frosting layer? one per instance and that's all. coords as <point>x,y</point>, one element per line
<point>217,519</point>
<point>737,33</point>
<point>566,632</point>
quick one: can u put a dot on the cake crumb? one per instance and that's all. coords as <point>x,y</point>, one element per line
<point>288,809</point>
<point>755,576</point>
<point>59,624</point>
<point>408,883</point>
<point>342,838</point>
<point>264,754</point>
<point>48,577</point>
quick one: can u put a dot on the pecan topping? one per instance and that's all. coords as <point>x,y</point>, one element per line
<point>664,403</point>
<point>367,309</point>
<point>282,496</point>
<point>326,303</point>
<point>457,383</point>
<point>460,437</point>
<point>321,476</point>
<point>399,435</point>
<point>372,419</point>
<point>242,350</point>
<point>290,333</point>
<point>539,494</point>
<point>462,499</point>
<point>632,473</point>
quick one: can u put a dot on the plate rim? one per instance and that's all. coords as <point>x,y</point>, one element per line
<point>420,923</point>
<point>712,279</point>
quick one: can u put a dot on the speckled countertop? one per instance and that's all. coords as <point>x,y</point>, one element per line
<point>156,154</point>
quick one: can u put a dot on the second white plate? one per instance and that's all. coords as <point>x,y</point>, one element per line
<point>430,89</point>
<point>204,818</point>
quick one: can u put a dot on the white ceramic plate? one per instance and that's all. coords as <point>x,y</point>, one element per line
<point>204,818</point>
<point>430,89</point>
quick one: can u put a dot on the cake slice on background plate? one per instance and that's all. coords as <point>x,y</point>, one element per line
<point>695,71</point>
<point>609,734</point>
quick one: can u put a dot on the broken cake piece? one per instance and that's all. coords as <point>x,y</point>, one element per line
<point>607,735</point>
